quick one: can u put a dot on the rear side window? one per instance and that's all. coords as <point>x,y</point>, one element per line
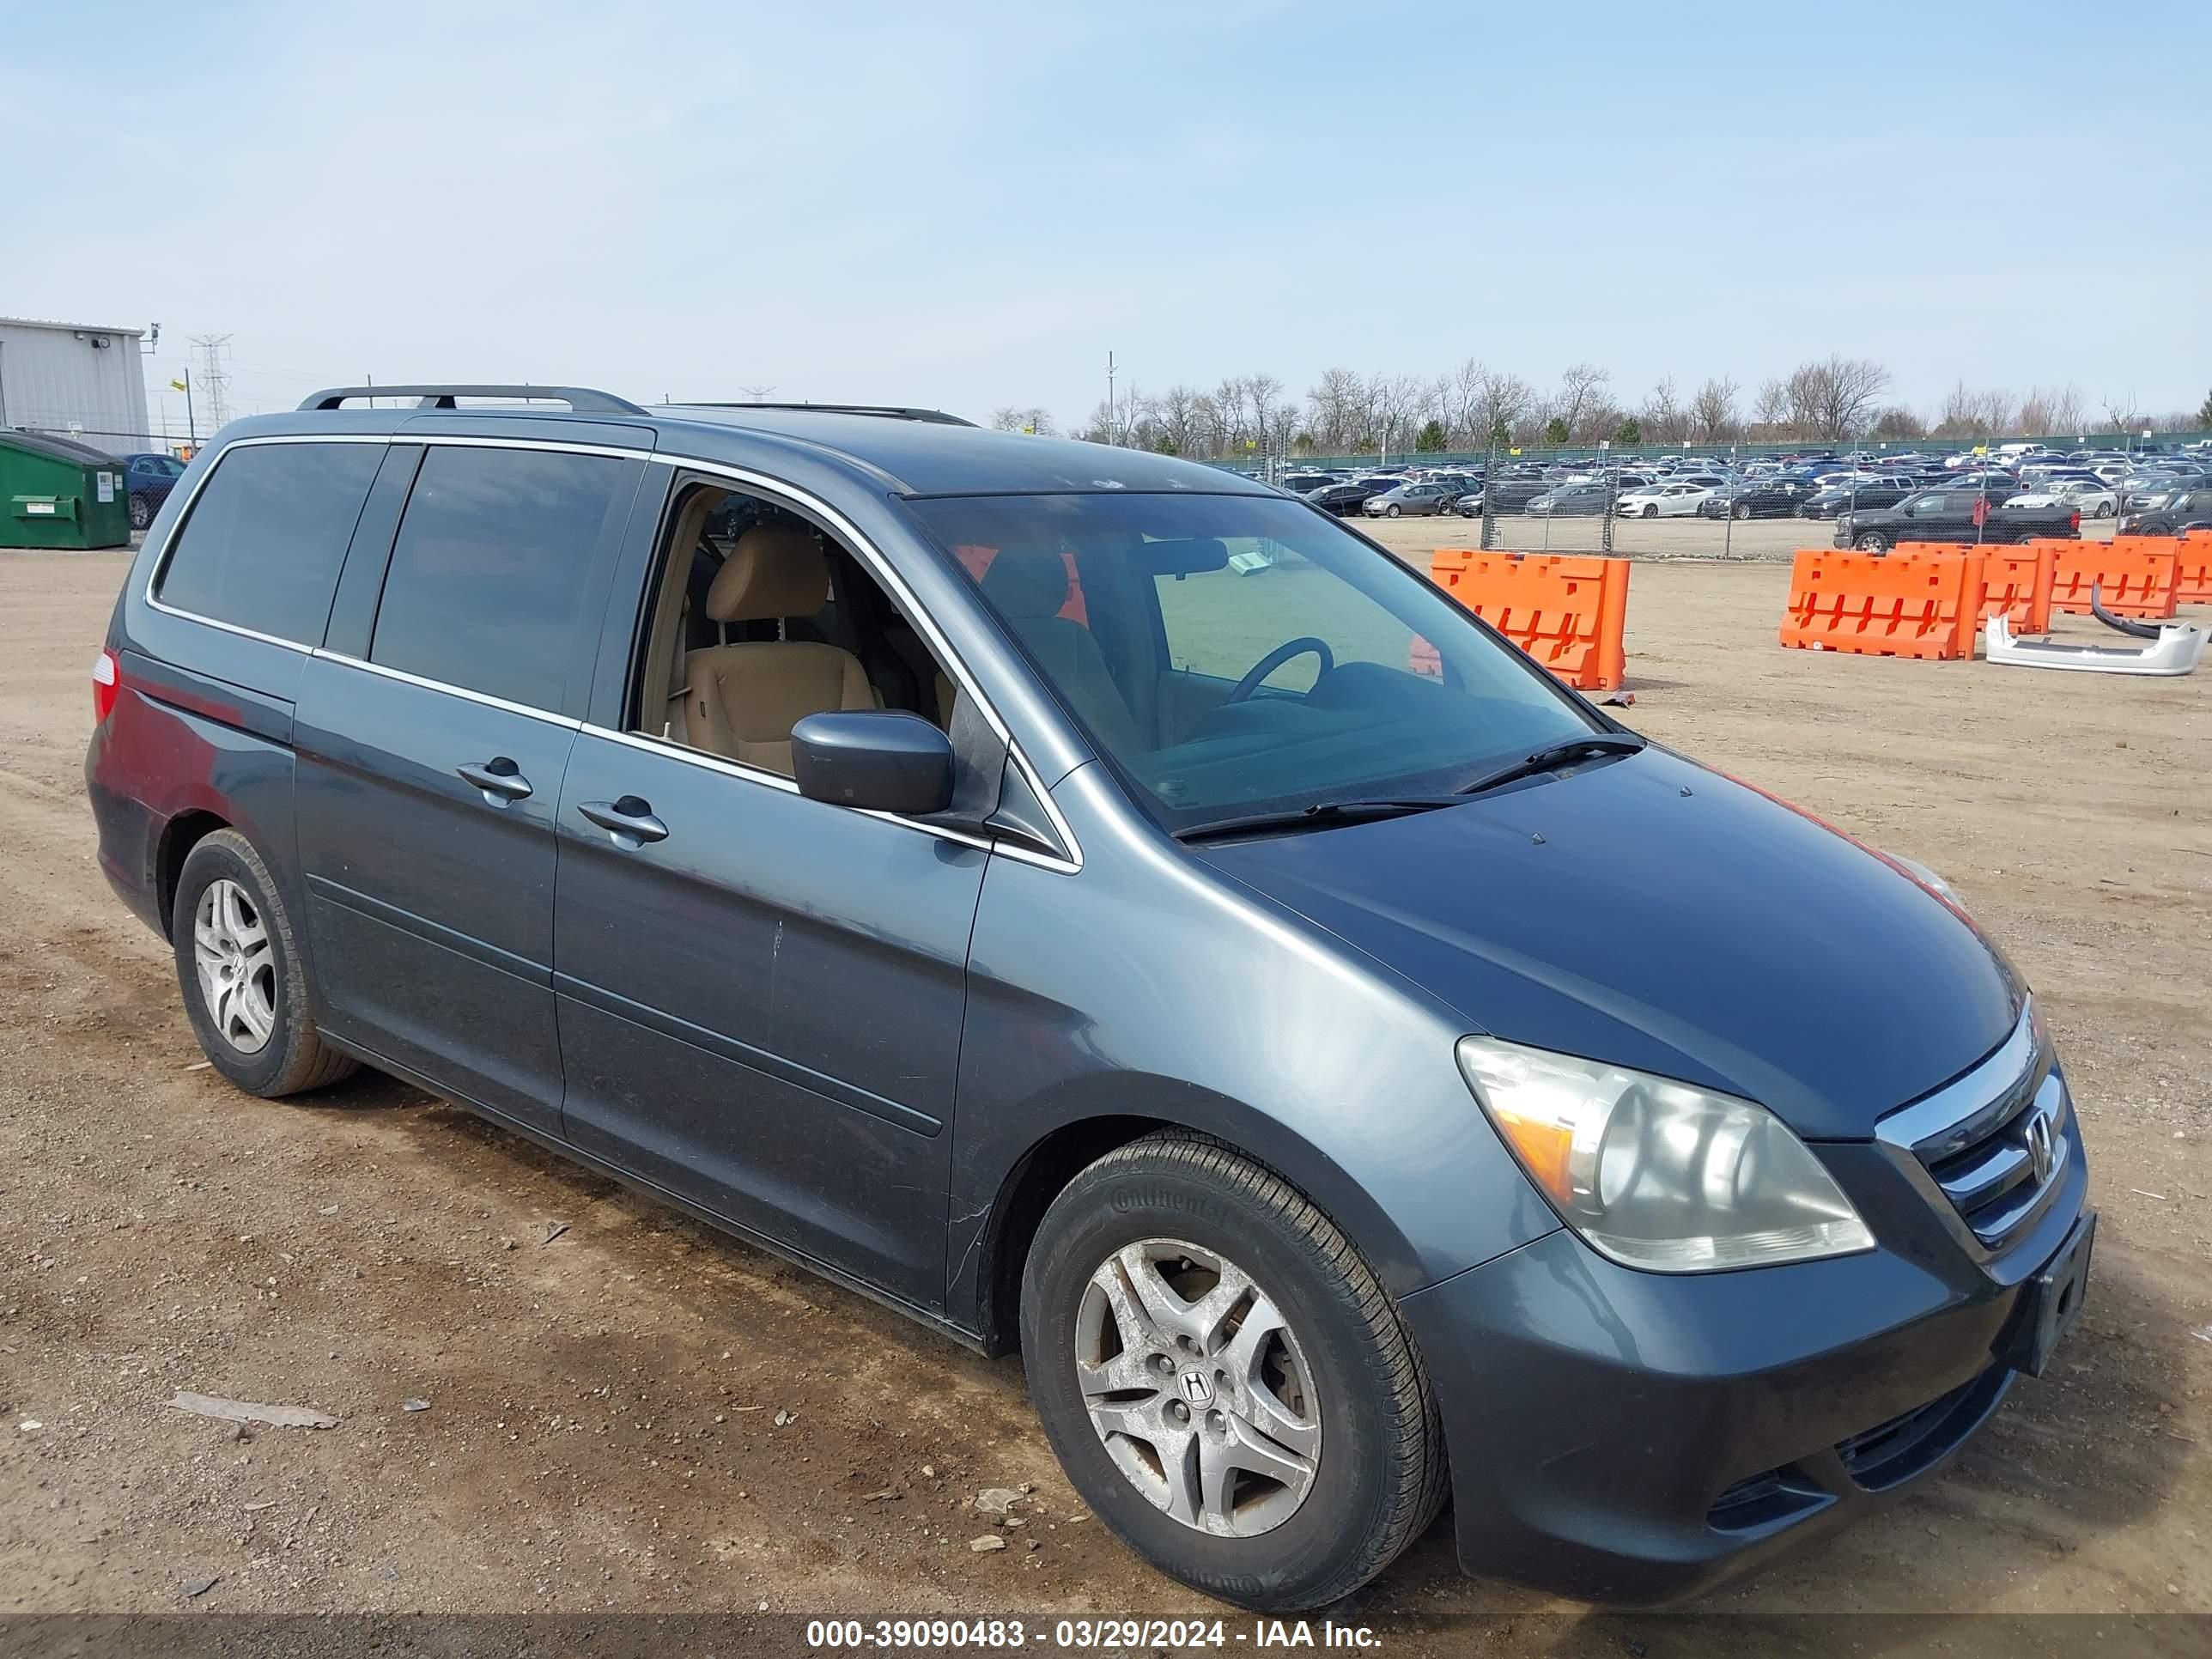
<point>488,570</point>
<point>266,536</point>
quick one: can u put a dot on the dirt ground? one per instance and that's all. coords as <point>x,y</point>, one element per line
<point>633,1413</point>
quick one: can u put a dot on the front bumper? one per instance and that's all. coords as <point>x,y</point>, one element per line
<point>1636,1437</point>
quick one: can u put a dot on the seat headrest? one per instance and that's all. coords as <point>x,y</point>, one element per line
<point>1026,585</point>
<point>775,570</point>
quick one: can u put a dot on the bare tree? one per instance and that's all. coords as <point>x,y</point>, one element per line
<point>1971,413</point>
<point>1582,389</point>
<point>1662,420</point>
<point>1835,398</point>
<point>1712,412</point>
<point>1010,419</point>
<point>1338,403</point>
<point>1771,409</point>
<point>1501,401</point>
<point>1898,422</point>
<point>2125,414</point>
<point>1177,415</point>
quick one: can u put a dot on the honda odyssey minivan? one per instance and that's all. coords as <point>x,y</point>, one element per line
<point>916,850</point>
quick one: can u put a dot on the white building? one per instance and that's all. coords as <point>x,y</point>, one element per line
<point>74,379</point>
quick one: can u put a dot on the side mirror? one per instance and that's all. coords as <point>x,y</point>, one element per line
<point>877,760</point>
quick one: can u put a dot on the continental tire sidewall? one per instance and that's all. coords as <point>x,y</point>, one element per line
<point>280,1066</point>
<point>1317,1552</point>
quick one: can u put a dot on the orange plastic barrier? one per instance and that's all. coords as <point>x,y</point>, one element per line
<point>1894,604</point>
<point>2136,575</point>
<point>2193,573</point>
<point>976,560</point>
<point>2017,581</point>
<point>1567,613</point>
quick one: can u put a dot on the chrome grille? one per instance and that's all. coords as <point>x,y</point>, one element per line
<point>1995,1141</point>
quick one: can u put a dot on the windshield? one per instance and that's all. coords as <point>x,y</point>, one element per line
<point>1244,654</point>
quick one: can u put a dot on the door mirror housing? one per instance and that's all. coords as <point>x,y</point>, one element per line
<point>882,760</point>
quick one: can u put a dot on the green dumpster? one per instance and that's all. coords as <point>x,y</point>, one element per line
<point>56,492</point>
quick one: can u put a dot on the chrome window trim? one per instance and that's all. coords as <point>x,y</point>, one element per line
<point>466,694</point>
<point>670,749</point>
<point>869,553</point>
<point>160,561</point>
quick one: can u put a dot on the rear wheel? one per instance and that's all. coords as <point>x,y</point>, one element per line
<point>141,512</point>
<point>238,961</point>
<point>1222,1378</point>
<point>2105,509</point>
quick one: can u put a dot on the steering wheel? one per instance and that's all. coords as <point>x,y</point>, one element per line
<point>1275,659</point>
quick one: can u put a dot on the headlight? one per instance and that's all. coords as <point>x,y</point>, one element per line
<point>1655,1173</point>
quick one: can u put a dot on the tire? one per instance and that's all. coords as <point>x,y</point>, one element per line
<point>222,871</point>
<point>141,512</point>
<point>1376,1472</point>
<point>1391,511</point>
<point>1650,509</point>
<point>1743,509</point>
<point>1871,541</point>
<point>2105,509</point>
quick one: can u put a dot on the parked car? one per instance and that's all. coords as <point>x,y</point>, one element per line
<point>1299,483</point>
<point>2184,510</point>
<point>2152,495</point>
<point>2091,499</point>
<point>1826,502</point>
<point>1662,501</point>
<point>150,478</point>
<point>1764,498</point>
<point>900,935</point>
<point>1588,499</point>
<point>1513,495</point>
<point>1344,499</point>
<point>1952,515</point>
<point>1418,500</point>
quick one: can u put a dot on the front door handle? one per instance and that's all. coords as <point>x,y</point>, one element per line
<point>629,821</point>
<point>500,779</point>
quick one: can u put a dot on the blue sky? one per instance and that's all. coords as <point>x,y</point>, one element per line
<point>969,206</point>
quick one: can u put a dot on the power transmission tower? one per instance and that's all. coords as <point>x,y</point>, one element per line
<point>213,381</point>
<point>757,393</point>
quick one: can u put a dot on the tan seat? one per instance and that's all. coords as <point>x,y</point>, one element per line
<point>741,701</point>
<point>1028,588</point>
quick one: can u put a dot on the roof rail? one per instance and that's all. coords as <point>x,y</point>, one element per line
<point>889,412</point>
<point>582,399</point>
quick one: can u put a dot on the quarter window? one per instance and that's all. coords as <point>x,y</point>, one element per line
<point>489,572</point>
<point>267,534</point>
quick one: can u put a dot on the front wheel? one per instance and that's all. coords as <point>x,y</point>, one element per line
<point>1650,509</point>
<point>1391,511</point>
<point>238,961</point>
<point>141,512</point>
<point>1871,541</point>
<point>1222,1378</point>
<point>1743,509</point>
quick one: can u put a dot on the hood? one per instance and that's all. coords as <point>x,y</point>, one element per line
<point>1651,913</point>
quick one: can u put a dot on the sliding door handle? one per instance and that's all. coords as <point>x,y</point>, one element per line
<point>500,779</point>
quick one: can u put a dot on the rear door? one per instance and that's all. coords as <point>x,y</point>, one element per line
<point>432,735</point>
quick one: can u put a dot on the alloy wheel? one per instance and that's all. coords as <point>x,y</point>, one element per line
<point>1198,1387</point>
<point>236,965</point>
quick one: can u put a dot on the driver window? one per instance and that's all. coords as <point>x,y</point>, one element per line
<point>764,618</point>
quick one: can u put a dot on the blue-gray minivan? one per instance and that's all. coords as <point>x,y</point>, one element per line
<point>1107,908</point>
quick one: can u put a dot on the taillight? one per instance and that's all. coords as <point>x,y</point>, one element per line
<point>106,681</point>
<point>2077,518</point>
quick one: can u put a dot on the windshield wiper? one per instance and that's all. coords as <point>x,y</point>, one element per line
<point>1557,754</point>
<point>1321,815</point>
